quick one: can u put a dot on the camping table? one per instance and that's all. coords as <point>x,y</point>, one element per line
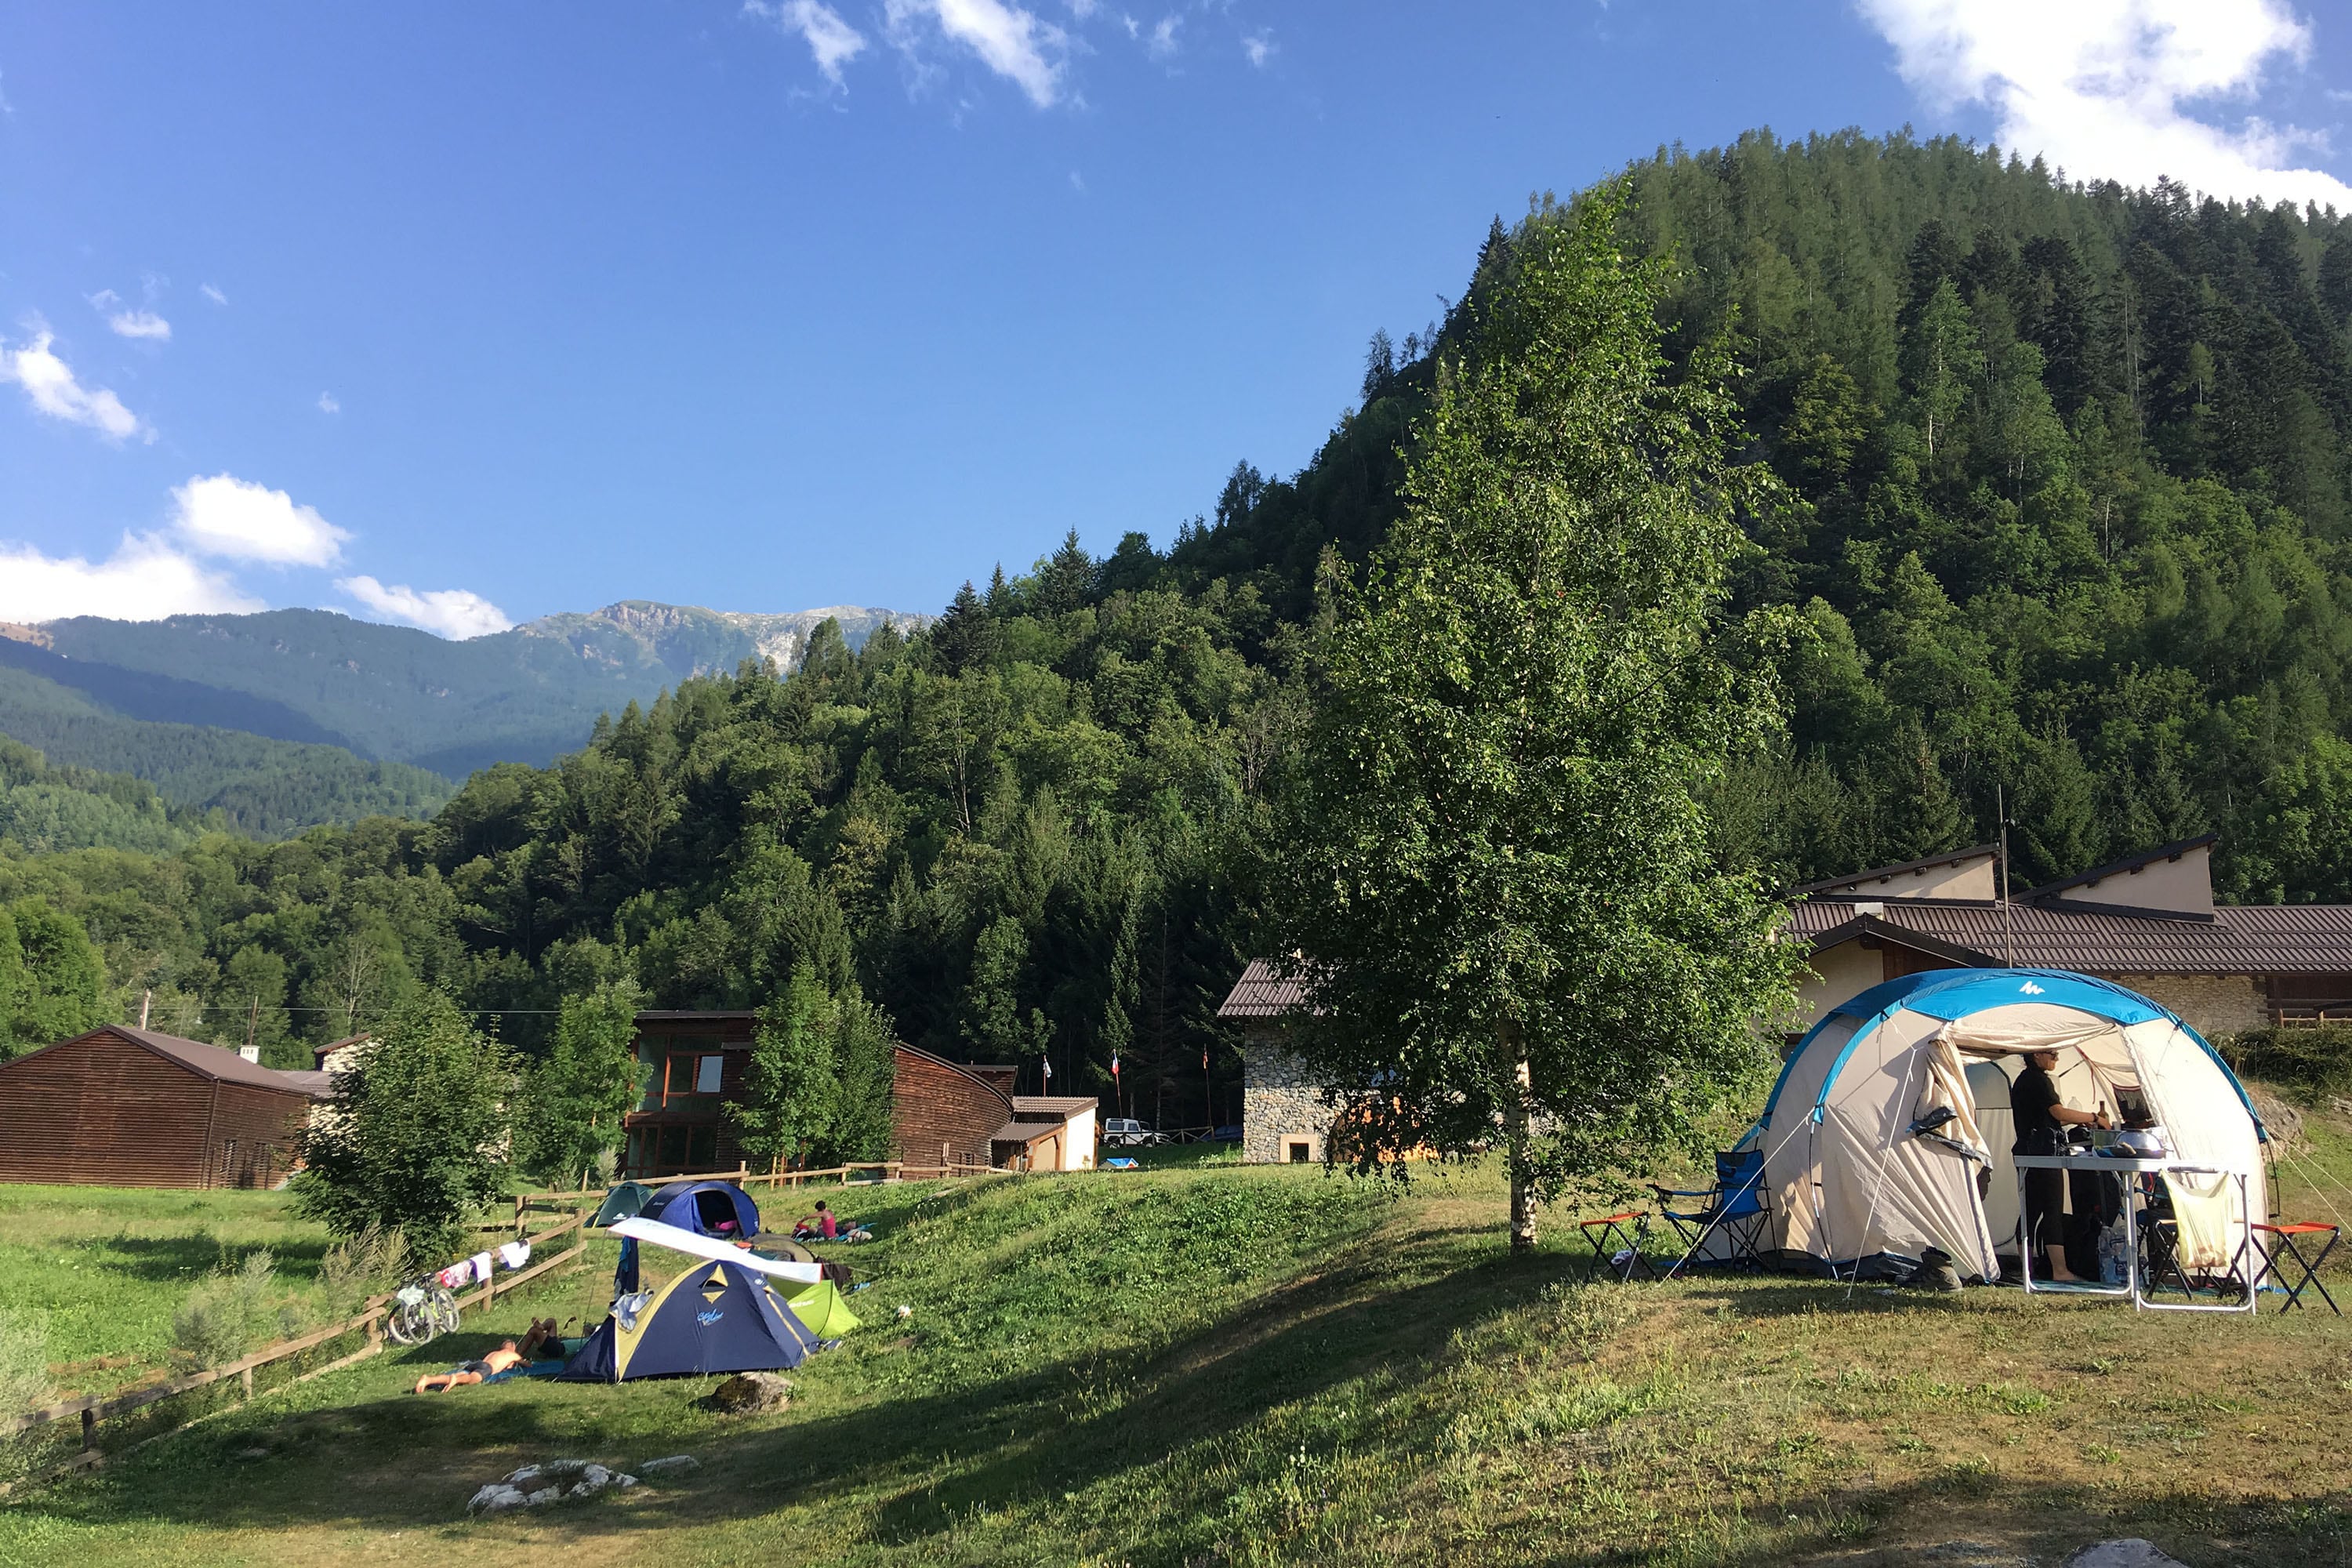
<point>2107,1165</point>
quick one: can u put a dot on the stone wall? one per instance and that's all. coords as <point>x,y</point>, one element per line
<point>1281,1105</point>
<point>2209,1004</point>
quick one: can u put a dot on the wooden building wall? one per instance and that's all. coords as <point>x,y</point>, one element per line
<point>936,1105</point>
<point>100,1111</point>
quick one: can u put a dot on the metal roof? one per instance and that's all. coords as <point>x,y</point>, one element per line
<point>210,1060</point>
<point>1060,1105</point>
<point>2240,939</point>
<point>1026,1132</point>
<point>1260,992</point>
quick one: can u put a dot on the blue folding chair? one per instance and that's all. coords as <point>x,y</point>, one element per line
<point>1726,1220</point>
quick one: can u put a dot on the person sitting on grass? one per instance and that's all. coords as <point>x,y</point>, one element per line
<point>822,1225</point>
<point>503,1359</point>
<point>543,1341</point>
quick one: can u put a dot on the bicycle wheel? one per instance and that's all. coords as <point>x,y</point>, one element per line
<point>405,1325</point>
<point>444,1308</point>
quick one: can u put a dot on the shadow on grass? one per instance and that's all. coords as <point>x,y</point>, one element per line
<point>2009,1516</point>
<point>191,1255</point>
<point>909,1467</point>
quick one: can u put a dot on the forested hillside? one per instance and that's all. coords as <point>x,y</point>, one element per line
<point>2066,505</point>
<point>263,787</point>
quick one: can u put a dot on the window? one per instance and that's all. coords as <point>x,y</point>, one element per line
<point>1300,1154</point>
<point>688,1076</point>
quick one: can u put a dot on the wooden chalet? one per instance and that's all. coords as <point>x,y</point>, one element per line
<point>958,1113</point>
<point>122,1107</point>
<point>693,1063</point>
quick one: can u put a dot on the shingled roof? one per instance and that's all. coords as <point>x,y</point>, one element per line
<point>212,1061</point>
<point>1260,992</point>
<point>2236,938</point>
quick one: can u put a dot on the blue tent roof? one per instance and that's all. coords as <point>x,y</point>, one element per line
<point>1954,993</point>
<point>695,1206</point>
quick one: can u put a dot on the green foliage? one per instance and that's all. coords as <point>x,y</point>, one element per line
<point>578,1093</point>
<point>51,979</point>
<point>1498,883</point>
<point>2313,1064</point>
<point>23,1359</point>
<point>416,1135</point>
<point>231,1312</point>
<point>362,1265</point>
<point>792,1086</point>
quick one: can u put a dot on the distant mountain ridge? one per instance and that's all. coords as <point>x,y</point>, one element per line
<point>396,694</point>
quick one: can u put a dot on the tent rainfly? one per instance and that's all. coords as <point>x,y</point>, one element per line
<point>1850,1186</point>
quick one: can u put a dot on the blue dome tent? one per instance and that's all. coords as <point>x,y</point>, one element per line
<point>1849,1182</point>
<point>716,1317</point>
<point>719,1209</point>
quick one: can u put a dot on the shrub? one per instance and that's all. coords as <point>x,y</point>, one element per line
<point>229,1310</point>
<point>23,1359</point>
<point>352,1270</point>
<point>2310,1065</point>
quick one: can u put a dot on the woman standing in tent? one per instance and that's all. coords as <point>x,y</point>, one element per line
<point>2042,1119</point>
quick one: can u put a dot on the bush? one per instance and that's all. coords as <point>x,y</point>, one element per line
<point>229,1311</point>
<point>375,1260</point>
<point>2310,1065</point>
<point>23,1359</point>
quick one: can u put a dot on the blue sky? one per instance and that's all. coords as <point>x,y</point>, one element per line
<point>460,315</point>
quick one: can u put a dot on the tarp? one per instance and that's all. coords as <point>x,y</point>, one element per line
<point>1848,1182</point>
<point>823,1312</point>
<point>715,1317</point>
<point>714,1208</point>
<point>686,1241</point>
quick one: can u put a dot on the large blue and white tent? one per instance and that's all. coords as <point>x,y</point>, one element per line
<point>1848,1182</point>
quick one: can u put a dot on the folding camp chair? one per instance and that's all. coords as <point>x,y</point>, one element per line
<point>1615,1247</point>
<point>1729,1219</point>
<point>2282,1260</point>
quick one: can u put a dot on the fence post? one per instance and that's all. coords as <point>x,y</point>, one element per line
<point>89,1429</point>
<point>246,1378</point>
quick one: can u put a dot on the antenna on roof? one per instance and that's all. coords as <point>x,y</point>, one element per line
<point>146,1000</point>
<point>2008,934</point>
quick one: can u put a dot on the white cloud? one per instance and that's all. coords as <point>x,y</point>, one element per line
<point>1258,46</point>
<point>330,403</point>
<point>831,41</point>
<point>224,515</point>
<point>49,383</point>
<point>1084,10</point>
<point>1162,42</point>
<point>140,325</point>
<point>452,613</point>
<point>2101,88</point>
<point>214,295</point>
<point>1012,42</point>
<point>144,580</point>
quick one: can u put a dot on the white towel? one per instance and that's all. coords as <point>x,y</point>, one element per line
<point>482,1266</point>
<point>515,1254</point>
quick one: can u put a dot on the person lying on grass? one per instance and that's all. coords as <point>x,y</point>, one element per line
<point>503,1359</point>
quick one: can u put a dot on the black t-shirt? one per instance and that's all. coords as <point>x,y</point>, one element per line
<point>2029,1099</point>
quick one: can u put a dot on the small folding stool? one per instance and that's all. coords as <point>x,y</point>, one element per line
<point>1610,1236</point>
<point>2283,1262</point>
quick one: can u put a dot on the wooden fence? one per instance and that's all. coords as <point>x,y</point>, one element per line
<point>370,1323</point>
<point>745,1177</point>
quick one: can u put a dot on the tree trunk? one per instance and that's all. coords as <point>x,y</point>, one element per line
<point>1522,1178</point>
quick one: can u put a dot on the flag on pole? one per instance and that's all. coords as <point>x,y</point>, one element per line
<point>1049,1070</point>
<point>1114,1064</point>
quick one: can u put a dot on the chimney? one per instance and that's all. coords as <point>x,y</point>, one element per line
<point>250,1053</point>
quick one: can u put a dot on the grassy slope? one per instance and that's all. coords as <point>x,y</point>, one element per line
<point>1211,1365</point>
<point>111,1264</point>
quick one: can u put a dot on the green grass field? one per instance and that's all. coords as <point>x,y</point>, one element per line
<point>110,1265</point>
<point>1215,1364</point>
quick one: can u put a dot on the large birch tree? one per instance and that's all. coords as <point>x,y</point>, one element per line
<point>1496,876</point>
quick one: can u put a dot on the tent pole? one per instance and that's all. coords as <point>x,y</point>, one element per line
<point>1885,1155</point>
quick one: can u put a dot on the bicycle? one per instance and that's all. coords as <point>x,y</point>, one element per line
<point>421,1308</point>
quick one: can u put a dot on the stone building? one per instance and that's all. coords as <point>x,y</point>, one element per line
<point>1284,1118</point>
<point>2148,921</point>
